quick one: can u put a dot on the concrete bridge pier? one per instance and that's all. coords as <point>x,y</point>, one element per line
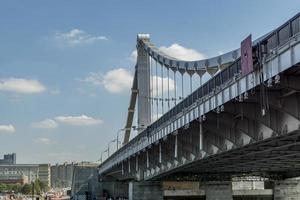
<point>149,190</point>
<point>215,190</point>
<point>114,189</point>
<point>145,190</point>
<point>288,189</point>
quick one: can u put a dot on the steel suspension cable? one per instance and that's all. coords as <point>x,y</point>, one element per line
<point>191,83</point>
<point>182,94</point>
<point>200,80</point>
<point>200,83</point>
<point>162,89</point>
<point>168,88</point>
<point>175,88</point>
<point>151,91</point>
<point>156,90</point>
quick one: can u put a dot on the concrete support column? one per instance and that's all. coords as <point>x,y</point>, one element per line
<point>149,190</point>
<point>129,170</point>
<point>216,190</point>
<point>160,154</point>
<point>147,159</point>
<point>114,189</point>
<point>137,163</point>
<point>200,136</point>
<point>176,147</point>
<point>142,165</point>
<point>287,189</point>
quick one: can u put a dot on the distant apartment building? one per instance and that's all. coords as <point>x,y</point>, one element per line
<point>25,173</point>
<point>13,179</point>
<point>8,159</point>
<point>44,174</point>
<point>85,178</point>
<point>28,170</point>
<point>61,175</point>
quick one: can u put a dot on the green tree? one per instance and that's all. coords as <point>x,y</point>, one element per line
<point>37,186</point>
<point>40,186</point>
<point>26,189</point>
<point>3,187</point>
<point>44,187</point>
<point>8,187</point>
<point>17,188</point>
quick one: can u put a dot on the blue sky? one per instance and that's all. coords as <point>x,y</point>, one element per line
<point>66,66</point>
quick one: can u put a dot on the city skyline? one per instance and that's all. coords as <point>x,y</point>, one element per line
<point>65,78</point>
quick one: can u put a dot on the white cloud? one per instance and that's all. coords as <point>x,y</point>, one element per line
<point>45,124</point>
<point>162,81</point>
<point>77,37</point>
<point>114,81</point>
<point>117,80</point>
<point>20,85</point>
<point>175,51</point>
<point>93,78</point>
<point>43,140</point>
<point>120,80</point>
<point>7,128</point>
<point>82,120</point>
<point>133,56</point>
<point>180,52</point>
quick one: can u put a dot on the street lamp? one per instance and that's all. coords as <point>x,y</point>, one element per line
<point>138,128</point>
<point>32,190</point>
<point>114,140</point>
<point>135,128</point>
<point>102,154</point>
<point>118,133</point>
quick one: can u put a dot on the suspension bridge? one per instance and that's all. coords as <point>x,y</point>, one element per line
<point>233,115</point>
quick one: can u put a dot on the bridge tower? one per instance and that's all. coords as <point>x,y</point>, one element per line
<point>143,83</point>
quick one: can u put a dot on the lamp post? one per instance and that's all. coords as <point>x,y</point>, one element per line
<point>102,154</point>
<point>114,140</point>
<point>135,128</point>
<point>118,133</point>
<point>32,190</point>
<point>138,128</point>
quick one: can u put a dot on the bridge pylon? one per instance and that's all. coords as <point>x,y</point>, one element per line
<point>140,90</point>
<point>143,83</point>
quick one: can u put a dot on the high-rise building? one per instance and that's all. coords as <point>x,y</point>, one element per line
<point>85,178</point>
<point>45,174</point>
<point>9,159</point>
<point>61,175</point>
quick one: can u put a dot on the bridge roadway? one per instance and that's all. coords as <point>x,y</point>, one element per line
<point>234,125</point>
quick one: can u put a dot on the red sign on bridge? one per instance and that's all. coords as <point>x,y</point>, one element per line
<point>246,55</point>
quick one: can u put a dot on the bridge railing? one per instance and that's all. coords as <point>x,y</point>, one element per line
<point>281,35</point>
<point>177,116</point>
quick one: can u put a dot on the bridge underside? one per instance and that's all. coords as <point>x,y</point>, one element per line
<point>275,158</point>
<point>240,141</point>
